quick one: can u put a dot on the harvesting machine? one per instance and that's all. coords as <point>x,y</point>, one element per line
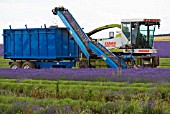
<point>136,37</point>
<point>71,46</point>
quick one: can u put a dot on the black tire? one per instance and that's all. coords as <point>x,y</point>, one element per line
<point>28,65</point>
<point>156,61</point>
<point>15,65</point>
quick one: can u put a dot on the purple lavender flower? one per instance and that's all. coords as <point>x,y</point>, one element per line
<point>163,48</point>
<point>128,75</point>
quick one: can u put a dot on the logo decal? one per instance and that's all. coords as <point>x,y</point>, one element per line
<point>110,44</point>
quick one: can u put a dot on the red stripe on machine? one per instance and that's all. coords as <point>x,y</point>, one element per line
<point>143,51</point>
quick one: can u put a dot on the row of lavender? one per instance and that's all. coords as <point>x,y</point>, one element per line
<point>143,75</point>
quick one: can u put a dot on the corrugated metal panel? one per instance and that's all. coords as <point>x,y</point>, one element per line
<point>50,43</point>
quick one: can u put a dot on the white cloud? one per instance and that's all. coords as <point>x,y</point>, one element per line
<point>89,13</point>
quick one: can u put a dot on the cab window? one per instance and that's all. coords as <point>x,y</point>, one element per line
<point>126,30</point>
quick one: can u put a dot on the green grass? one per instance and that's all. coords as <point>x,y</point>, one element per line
<point>4,62</point>
<point>81,83</point>
<point>164,63</point>
<point>19,95</point>
<point>66,89</point>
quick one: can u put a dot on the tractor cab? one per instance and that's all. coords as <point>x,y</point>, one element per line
<point>139,32</point>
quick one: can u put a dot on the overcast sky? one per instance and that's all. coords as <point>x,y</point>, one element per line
<point>88,13</point>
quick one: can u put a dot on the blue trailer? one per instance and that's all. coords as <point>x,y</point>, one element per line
<point>40,48</point>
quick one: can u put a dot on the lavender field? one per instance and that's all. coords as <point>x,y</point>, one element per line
<point>91,91</point>
<point>163,48</point>
<point>87,91</point>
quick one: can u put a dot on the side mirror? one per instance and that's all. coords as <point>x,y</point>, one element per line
<point>159,26</point>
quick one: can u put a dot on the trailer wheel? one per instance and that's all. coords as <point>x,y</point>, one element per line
<point>15,65</point>
<point>28,65</point>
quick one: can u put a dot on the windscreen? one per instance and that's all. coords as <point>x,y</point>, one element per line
<point>142,35</point>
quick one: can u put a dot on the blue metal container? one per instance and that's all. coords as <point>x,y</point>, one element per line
<point>39,43</point>
<point>40,48</point>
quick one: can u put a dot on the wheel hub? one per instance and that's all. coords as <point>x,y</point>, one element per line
<point>26,67</point>
<point>14,67</point>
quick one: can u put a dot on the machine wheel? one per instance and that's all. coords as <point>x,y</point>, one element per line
<point>83,64</point>
<point>15,65</point>
<point>28,65</point>
<point>156,61</point>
